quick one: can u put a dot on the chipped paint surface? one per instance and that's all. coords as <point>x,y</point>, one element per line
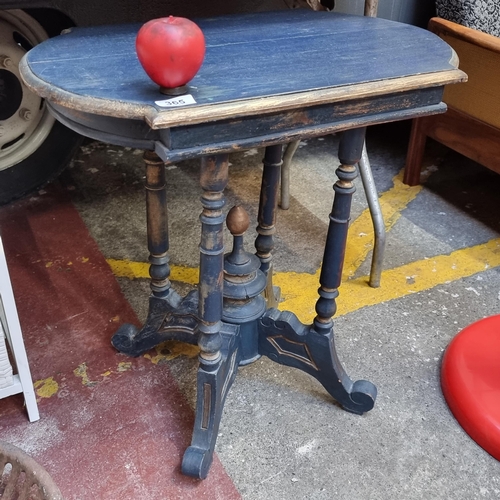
<point>172,349</point>
<point>46,388</point>
<point>81,371</point>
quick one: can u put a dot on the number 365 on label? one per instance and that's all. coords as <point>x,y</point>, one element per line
<point>183,100</point>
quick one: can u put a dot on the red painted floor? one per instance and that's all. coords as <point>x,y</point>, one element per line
<point>111,427</point>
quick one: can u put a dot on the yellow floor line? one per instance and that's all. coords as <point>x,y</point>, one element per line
<point>361,236</point>
<point>133,270</point>
<point>299,290</point>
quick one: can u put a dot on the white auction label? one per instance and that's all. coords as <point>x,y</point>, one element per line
<point>182,100</point>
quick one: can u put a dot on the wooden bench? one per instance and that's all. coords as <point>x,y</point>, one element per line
<point>471,126</point>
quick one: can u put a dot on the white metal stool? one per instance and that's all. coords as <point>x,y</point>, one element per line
<point>11,330</point>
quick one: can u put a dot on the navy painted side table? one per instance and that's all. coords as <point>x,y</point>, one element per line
<point>267,79</point>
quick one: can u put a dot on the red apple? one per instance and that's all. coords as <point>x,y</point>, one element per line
<point>171,50</point>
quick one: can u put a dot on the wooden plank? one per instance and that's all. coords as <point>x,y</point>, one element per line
<point>442,27</point>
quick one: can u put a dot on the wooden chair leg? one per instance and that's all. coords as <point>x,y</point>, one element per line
<point>371,7</point>
<point>415,153</point>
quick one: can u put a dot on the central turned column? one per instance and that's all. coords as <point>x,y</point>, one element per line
<point>244,283</point>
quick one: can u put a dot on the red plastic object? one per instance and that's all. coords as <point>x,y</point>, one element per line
<point>470,379</point>
<point>171,50</point>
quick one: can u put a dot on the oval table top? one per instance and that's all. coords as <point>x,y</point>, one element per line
<point>255,63</point>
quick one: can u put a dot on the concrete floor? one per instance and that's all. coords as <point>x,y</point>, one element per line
<point>281,435</point>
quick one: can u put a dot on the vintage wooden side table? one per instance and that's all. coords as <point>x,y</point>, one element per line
<point>267,79</point>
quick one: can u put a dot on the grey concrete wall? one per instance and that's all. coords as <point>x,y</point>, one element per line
<point>90,12</point>
<point>416,12</point>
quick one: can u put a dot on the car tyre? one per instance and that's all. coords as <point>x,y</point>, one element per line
<point>34,147</point>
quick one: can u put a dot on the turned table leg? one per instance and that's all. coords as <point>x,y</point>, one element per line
<point>218,354</point>
<point>350,150</point>
<point>268,204</point>
<point>157,224</point>
<point>170,317</point>
<point>213,180</point>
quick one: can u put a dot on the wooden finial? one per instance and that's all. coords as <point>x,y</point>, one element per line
<point>237,220</point>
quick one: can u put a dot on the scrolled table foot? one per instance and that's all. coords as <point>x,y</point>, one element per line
<point>285,340</point>
<point>215,378</point>
<point>124,339</point>
<point>363,394</point>
<point>196,462</point>
<point>170,318</point>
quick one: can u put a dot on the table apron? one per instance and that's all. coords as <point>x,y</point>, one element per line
<point>234,134</point>
<point>117,131</point>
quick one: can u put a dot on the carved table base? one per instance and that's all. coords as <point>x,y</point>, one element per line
<point>228,316</point>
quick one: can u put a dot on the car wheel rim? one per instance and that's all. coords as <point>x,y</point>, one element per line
<point>24,119</point>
